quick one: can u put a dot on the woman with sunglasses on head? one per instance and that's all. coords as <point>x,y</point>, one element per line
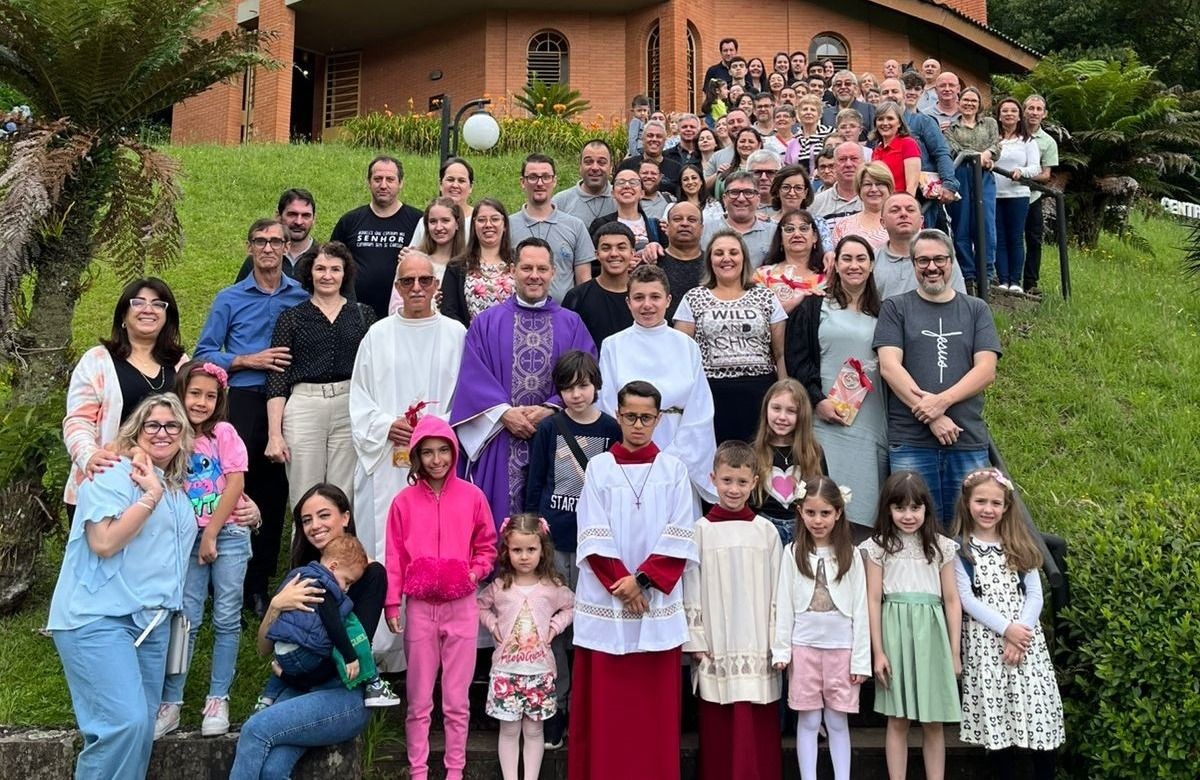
<point>482,276</point>
<point>308,403</point>
<point>122,575</point>
<point>137,359</point>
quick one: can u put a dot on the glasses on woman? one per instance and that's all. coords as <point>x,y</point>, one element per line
<point>788,230</point>
<point>633,419</point>
<point>792,189</point>
<point>406,282</point>
<point>137,304</point>
<point>152,427</point>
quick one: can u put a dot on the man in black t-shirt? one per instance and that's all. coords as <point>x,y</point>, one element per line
<point>600,302</point>
<point>729,49</point>
<point>376,232</point>
<point>682,262</point>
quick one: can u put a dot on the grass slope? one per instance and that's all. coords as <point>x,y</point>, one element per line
<point>1093,398</point>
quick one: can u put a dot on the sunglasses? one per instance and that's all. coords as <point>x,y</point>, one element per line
<point>406,282</point>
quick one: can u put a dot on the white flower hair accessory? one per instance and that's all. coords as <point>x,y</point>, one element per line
<point>990,473</point>
<point>847,494</point>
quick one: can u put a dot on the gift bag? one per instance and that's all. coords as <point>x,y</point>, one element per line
<point>362,648</point>
<point>850,389</point>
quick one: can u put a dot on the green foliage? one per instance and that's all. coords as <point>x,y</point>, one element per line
<point>1120,123</point>
<point>1165,33</point>
<point>10,97</point>
<point>31,444</point>
<point>1132,699</point>
<point>551,100</point>
<point>418,134</point>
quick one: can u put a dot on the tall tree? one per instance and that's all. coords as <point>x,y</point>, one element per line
<point>79,184</point>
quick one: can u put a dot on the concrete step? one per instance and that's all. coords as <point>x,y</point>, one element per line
<point>963,762</point>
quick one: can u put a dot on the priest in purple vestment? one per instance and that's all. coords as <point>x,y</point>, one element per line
<point>504,386</point>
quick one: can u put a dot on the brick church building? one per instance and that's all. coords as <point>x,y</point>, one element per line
<point>342,58</point>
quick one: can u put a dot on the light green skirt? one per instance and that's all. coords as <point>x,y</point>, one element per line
<point>922,686</point>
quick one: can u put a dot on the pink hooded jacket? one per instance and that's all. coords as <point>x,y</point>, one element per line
<point>436,541</point>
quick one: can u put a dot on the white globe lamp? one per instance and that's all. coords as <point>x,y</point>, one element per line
<point>481,131</point>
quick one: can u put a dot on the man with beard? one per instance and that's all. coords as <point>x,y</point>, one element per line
<point>937,353</point>
<point>893,260</point>
<point>297,210</point>
<point>376,232</point>
<point>592,196</point>
<point>845,88</point>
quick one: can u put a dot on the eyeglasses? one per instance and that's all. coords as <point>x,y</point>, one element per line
<point>788,230</point>
<point>629,418</point>
<point>260,242</point>
<point>792,189</point>
<point>941,261</point>
<point>843,83</point>
<point>767,173</point>
<point>491,219</point>
<point>152,427</point>
<point>538,178</point>
<point>741,194</point>
<point>628,184</point>
<point>406,282</point>
<point>137,304</point>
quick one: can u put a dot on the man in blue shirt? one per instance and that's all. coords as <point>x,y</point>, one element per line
<point>237,337</point>
<point>935,152</point>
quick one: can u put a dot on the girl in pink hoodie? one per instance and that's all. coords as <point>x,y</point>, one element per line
<point>441,541</point>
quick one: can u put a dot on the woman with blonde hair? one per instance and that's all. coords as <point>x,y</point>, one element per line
<point>874,184</point>
<point>121,577</point>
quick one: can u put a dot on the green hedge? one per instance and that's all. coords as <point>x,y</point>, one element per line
<point>418,134</point>
<point>1131,682</point>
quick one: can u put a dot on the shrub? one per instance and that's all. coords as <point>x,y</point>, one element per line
<point>418,133</point>
<point>1131,686</point>
<point>551,100</point>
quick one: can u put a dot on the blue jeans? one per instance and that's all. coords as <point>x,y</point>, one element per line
<point>226,574</point>
<point>943,471</point>
<point>115,690</point>
<point>274,739</point>
<point>962,213</point>
<point>298,663</point>
<point>1010,238</point>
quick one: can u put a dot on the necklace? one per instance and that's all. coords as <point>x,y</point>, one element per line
<point>637,492</point>
<point>161,376</point>
<point>785,453</point>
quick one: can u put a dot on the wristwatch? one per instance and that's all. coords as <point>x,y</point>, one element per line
<point>643,580</point>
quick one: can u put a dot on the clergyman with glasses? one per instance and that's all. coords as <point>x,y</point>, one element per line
<point>406,368</point>
<point>237,337</point>
<point>938,350</point>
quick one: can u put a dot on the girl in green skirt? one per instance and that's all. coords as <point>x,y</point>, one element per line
<point>916,622</point>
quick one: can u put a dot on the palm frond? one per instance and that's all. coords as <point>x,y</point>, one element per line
<point>140,231</point>
<point>37,170</point>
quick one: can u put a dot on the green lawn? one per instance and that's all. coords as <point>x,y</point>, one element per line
<point>1096,396</point>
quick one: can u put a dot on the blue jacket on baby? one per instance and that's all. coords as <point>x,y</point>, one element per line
<point>305,628</point>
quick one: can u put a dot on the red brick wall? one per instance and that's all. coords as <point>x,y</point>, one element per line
<point>213,116</point>
<point>391,73</point>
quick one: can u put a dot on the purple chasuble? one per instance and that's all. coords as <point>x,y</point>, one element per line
<point>509,358</point>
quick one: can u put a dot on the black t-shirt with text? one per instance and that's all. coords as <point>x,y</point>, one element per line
<point>375,243</point>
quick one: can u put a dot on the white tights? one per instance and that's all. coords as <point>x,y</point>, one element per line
<point>510,738</point>
<point>808,722</point>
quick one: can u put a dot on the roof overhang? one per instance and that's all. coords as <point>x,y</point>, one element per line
<point>996,45</point>
<point>338,25</point>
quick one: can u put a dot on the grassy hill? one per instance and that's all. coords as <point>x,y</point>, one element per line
<point>1096,396</point>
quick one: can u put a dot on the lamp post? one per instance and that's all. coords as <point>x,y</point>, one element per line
<point>480,131</point>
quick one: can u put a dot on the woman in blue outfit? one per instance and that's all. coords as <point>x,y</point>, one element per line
<point>275,738</point>
<point>122,576</point>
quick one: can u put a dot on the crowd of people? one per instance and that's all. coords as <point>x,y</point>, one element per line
<point>717,404</point>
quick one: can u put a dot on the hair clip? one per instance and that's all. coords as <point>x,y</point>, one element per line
<point>503,525</point>
<point>217,373</point>
<point>543,526</point>
<point>847,494</point>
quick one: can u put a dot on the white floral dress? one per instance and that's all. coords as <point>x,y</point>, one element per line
<point>1006,706</point>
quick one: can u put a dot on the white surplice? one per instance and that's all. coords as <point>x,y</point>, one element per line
<point>400,362</point>
<point>612,525</point>
<point>670,361</point>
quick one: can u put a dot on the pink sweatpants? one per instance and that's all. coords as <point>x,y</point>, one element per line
<point>439,635</point>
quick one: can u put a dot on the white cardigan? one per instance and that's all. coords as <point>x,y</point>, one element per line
<point>849,596</point>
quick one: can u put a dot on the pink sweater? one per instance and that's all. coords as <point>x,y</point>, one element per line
<point>551,606</point>
<point>436,541</point>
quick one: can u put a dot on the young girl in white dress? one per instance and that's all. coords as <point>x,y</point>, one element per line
<point>821,625</point>
<point>1010,696</point>
<point>916,622</point>
<point>524,608</point>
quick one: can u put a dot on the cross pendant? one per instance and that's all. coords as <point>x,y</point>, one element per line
<point>637,502</point>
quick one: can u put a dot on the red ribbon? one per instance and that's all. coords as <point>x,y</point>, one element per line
<point>413,413</point>
<point>863,380</point>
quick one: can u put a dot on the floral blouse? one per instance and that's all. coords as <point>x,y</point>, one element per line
<point>490,285</point>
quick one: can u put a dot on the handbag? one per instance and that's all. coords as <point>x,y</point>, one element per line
<point>178,657</point>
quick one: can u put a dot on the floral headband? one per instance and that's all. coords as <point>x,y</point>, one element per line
<point>989,473</point>
<point>215,371</point>
<point>543,526</point>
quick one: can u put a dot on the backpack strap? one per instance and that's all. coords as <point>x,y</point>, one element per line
<point>560,422</point>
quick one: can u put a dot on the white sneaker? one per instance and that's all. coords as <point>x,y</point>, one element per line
<point>216,717</point>
<point>166,721</point>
